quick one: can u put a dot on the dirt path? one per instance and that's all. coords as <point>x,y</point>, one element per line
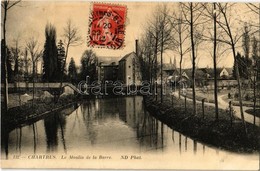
<point>248,118</point>
<point>224,105</point>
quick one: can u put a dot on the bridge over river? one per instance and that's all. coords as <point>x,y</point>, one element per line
<point>53,88</point>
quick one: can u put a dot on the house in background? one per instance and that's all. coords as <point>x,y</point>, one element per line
<point>205,77</point>
<point>129,70</point>
<point>222,73</point>
<point>226,73</point>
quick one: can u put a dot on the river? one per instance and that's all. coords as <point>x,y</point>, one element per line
<point>119,128</point>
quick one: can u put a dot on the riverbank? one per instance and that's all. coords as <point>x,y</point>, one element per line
<point>206,130</point>
<point>251,112</point>
<point>27,112</point>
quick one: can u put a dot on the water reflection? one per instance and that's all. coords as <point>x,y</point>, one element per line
<point>116,124</point>
<point>148,132</point>
<point>51,132</point>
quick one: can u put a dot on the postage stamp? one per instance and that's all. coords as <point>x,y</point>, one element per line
<point>107,26</point>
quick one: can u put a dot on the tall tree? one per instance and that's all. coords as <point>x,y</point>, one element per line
<point>6,5</point>
<point>35,53</point>
<point>246,41</point>
<point>256,70</point>
<point>165,37</point>
<point>231,40</point>
<point>9,64</point>
<point>255,49</point>
<point>215,61</point>
<point>17,64</point>
<point>180,38</point>
<point>72,38</point>
<point>159,32</point>
<point>72,71</point>
<point>26,63</point>
<point>88,65</point>
<point>244,65</point>
<point>61,58</point>
<point>211,13</point>
<point>146,57</point>
<point>192,13</point>
<point>50,55</point>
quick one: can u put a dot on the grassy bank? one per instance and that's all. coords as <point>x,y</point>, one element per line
<point>251,112</point>
<point>26,112</point>
<point>207,95</point>
<point>206,130</point>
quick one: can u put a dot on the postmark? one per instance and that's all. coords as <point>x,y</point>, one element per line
<point>107,26</point>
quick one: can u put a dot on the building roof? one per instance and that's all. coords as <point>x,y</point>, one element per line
<point>210,71</point>
<point>127,55</point>
<point>108,60</point>
<point>229,70</point>
<point>206,72</point>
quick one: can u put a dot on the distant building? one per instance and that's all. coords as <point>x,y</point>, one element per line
<point>205,77</point>
<point>107,69</point>
<point>129,69</point>
<point>226,73</point>
<point>222,73</point>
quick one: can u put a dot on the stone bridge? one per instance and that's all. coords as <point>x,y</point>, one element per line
<point>53,88</point>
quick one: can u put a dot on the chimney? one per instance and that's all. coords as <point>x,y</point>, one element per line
<point>136,46</point>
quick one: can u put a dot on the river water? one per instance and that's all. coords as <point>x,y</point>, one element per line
<point>117,129</point>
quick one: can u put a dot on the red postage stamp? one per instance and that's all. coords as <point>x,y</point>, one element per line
<point>107,26</point>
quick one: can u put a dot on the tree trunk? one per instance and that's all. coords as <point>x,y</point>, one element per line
<point>193,61</point>
<point>162,68</point>
<point>33,75</point>
<point>215,63</point>
<point>254,92</point>
<point>239,90</point>
<point>237,72</point>
<point>17,72</point>
<point>5,59</point>
<point>150,63</point>
<point>181,57</point>
<point>180,75</point>
<point>156,63</point>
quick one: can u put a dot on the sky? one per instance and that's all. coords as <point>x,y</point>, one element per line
<point>30,17</point>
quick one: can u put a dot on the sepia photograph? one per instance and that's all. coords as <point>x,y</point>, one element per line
<point>130,85</point>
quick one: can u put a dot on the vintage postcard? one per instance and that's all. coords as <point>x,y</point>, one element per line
<point>130,85</point>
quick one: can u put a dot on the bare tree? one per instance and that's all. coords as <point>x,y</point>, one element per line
<point>231,40</point>
<point>71,38</point>
<point>159,35</point>
<point>254,8</point>
<point>192,13</point>
<point>16,67</point>
<point>146,57</point>
<point>211,13</point>
<point>180,38</point>
<point>166,43</point>
<point>33,48</point>
<point>153,32</point>
<point>6,5</point>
